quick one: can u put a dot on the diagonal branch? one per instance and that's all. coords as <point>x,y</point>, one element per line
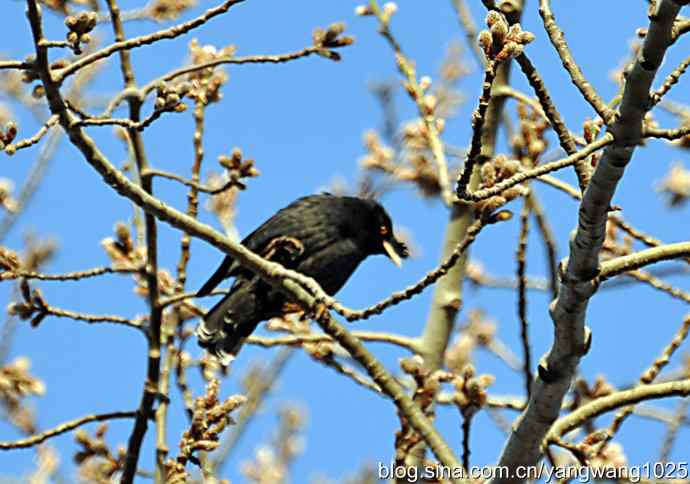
<point>576,75</point>
<point>122,45</point>
<point>578,284</point>
<point>62,428</point>
<point>614,401</point>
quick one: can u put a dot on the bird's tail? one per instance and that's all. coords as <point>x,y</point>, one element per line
<point>221,333</point>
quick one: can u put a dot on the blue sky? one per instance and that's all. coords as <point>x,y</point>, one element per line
<point>303,123</point>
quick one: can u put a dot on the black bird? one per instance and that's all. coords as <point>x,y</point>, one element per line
<point>322,236</point>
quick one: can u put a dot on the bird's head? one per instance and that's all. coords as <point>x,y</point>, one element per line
<point>381,238</point>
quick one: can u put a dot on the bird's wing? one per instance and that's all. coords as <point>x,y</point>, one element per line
<point>220,274</point>
<point>291,221</point>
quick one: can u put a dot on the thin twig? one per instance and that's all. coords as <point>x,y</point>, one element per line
<point>679,417</point>
<point>67,276</point>
<point>15,64</point>
<point>28,142</point>
<point>647,377</point>
<point>192,183</point>
<point>259,387</point>
<point>660,285</point>
<point>549,241</point>
<point>93,318</point>
<point>670,81</point>
<point>406,68</point>
<point>576,76</point>
<point>466,427</point>
<point>124,45</point>
<point>231,60</point>
<point>411,291</point>
<point>540,170</point>
<point>613,401</point>
<point>642,258</point>
<point>669,134</point>
<point>567,142</point>
<point>410,344</point>
<point>522,298</point>
<point>62,428</point>
<point>153,369</point>
<point>125,123</point>
<point>478,118</point>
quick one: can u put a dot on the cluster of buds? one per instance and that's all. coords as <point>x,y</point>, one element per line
<point>470,390</point>
<point>530,142</point>
<point>206,83</point>
<point>676,185</point>
<point>479,330</point>
<point>683,142</point>
<point>33,307</point>
<point>501,41</point>
<point>79,27</point>
<point>9,260</point>
<point>417,168</point>
<point>16,384</point>
<point>591,129</point>
<point>294,322</point>
<point>30,75</point>
<point>60,6</point>
<point>125,255</point>
<point>97,463</point>
<point>37,253</point>
<point>237,168</point>
<point>161,10</point>
<point>122,251</point>
<point>427,383</point>
<point>379,156</point>
<point>386,13</point>
<point>331,38</point>
<point>6,199</point>
<point>416,135</point>
<point>272,462</point>
<point>7,134</point>
<point>169,97</point>
<point>612,456</point>
<point>210,417</point>
<point>227,185</point>
<point>589,452</point>
<point>451,71</point>
<point>209,367</point>
<point>599,388</point>
<point>494,171</point>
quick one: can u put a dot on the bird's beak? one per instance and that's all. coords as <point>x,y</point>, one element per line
<point>392,253</point>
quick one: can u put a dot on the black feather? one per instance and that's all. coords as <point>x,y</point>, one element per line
<point>322,236</point>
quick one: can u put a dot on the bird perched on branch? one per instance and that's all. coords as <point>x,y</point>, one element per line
<point>322,236</point>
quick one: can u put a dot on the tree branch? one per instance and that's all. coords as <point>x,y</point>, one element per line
<point>571,338</point>
<point>62,428</point>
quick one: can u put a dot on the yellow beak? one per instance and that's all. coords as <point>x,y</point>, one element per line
<point>392,254</point>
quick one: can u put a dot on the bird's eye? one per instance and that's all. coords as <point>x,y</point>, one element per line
<point>383,230</point>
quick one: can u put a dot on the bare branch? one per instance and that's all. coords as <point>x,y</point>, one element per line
<point>568,311</point>
<point>121,45</point>
<point>576,76</point>
<point>540,170</point>
<point>643,258</point>
<point>614,401</point>
<point>67,276</point>
<point>62,428</point>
